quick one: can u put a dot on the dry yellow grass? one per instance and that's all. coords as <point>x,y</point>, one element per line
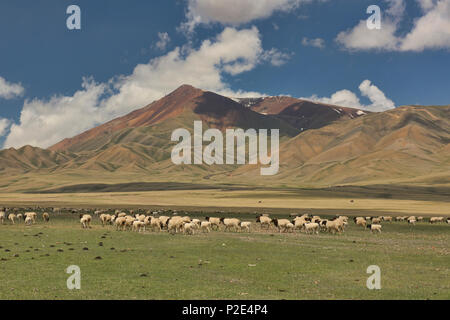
<point>228,199</point>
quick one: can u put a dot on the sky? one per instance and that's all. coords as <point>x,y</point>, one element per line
<point>56,82</point>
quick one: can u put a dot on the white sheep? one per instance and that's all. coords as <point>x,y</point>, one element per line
<point>28,221</point>
<point>175,224</point>
<point>231,223</point>
<point>205,226</point>
<point>12,218</point>
<point>245,225</point>
<point>311,227</point>
<point>281,224</point>
<point>360,221</point>
<point>264,221</point>
<point>84,222</point>
<point>120,223</point>
<point>46,217</point>
<point>138,226</point>
<point>2,217</point>
<point>215,222</point>
<point>188,228</point>
<point>436,219</point>
<point>374,227</point>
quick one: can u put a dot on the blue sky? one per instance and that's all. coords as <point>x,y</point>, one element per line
<point>271,51</point>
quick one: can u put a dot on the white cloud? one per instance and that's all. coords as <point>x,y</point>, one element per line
<point>4,124</point>
<point>317,42</point>
<point>276,57</point>
<point>163,41</point>
<point>362,38</point>
<point>233,12</point>
<point>46,122</point>
<point>347,98</point>
<point>10,90</point>
<point>430,31</point>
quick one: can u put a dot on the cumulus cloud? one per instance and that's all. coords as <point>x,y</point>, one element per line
<point>4,124</point>
<point>45,122</point>
<point>430,31</point>
<point>163,41</point>
<point>276,57</point>
<point>10,90</point>
<point>233,12</point>
<point>361,37</point>
<point>346,98</point>
<point>317,42</point>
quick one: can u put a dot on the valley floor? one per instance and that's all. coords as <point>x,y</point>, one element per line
<point>414,263</point>
<point>264,201</point>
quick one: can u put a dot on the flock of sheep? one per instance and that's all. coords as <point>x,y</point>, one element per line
<point>173,223</point>
<point>155,221</point>
<point>28,217</point>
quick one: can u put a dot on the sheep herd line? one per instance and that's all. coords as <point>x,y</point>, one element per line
<point>174,223</point>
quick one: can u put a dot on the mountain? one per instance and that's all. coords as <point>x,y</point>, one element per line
<point>30,158</point>
<point>184,103</point>
<point>299,113</point>
<point>320,145</point>
<point>407,144</point>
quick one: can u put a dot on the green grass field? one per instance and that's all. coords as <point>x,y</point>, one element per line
<point>414,262</point>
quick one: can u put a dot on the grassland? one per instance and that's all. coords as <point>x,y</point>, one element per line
<point>414,262</point>
<point>272,201</point>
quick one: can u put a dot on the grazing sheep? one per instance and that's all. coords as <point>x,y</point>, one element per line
<point>2,217</point>
<point>197,223</point>
<point>84,222</point>
<point>121,214</point>
<point>311,227</point>
<point>138,226</point>
<point>412,221</point>
<point>245,225</point>
<point>205,226</point>
<point>374,227</point>
<point>12,218</point>
<point>448,220</point>
<point>28,221</point>
<point>419,219</point>
<point>129,220</point>
<point>232,223</point>
<point>120,223</point>
<point>264,221</point>
<point>289,227</point>
<point>188,228</point>
<point>281,224</point>
<point>32,215</point>
<point>46,217</point>
<point>300,221</point>
<point>155,223</point>
<point>88,219</point>
<point>215,222</point>
<point>436,219</point>
<point>19,216</point>
<point>164,220</point>
<point>387,219</point>
<point>175,224</point>
<point>360,221</point>
<point>376,220</point>
<point>334,226</point>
